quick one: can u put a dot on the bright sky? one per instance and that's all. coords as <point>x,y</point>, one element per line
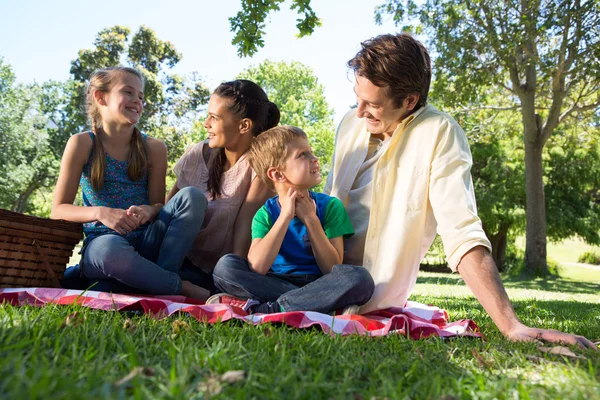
<point>40,38</point>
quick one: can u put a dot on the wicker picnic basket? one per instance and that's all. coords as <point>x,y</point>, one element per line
<point>34,251</point>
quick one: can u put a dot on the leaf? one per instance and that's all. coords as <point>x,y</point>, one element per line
<point>74,319</point>
<point>233,376</point>
<point>137,371</point>
<point>480,359</point>
<point>211,386</point>
<point>180,326</point>
<point>129,325</point>
<point>561,351</point>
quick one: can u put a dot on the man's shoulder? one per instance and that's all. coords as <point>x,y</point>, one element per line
<point>350,121</point>
<point>431,115</point>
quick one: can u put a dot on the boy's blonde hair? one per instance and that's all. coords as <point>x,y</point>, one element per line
<point>270,149</point>
<point>103,80</point>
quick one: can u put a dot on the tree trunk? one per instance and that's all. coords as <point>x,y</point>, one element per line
<point>535,244</point>
<point>21,204</point>
<point>499,242</point>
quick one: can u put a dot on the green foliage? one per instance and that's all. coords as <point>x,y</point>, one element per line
<point>543,56</point>
<point>590,257</point>
<point>296,90</point>
<point>479,43</point>
<point>249,24</point>
<point>573,180</point>
<point>37,120</point>
<point>26,161</point>
<point>168,98</point>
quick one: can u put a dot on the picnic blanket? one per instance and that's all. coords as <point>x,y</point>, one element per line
<point>414,320</point>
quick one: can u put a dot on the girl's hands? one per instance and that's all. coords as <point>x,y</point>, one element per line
<point>118,220</point>
<point>288,204</point>
<point>142,213</point>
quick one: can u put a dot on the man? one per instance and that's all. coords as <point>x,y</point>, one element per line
<point>402,168</point>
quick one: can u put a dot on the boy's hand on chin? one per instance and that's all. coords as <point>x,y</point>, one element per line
<point>305,208</point>
<point>288,204</point>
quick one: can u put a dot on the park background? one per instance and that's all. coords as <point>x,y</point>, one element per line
<point>522,79</point>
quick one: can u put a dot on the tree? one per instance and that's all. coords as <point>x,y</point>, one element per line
<point>545,55</point>
<point>46,115</point>
<point>295,89</point>
<point>26,160</point>
<point>169,99</point>
<point>249,24</point>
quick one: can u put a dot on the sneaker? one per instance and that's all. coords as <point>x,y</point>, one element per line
<point>353,309</point>
<point>233,301</point>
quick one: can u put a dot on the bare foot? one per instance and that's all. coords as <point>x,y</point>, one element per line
<point>188,289</point>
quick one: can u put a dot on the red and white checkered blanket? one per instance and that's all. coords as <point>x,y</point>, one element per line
<point>414,320</point>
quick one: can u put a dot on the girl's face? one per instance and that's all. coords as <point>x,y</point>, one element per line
<point>124,102</point>
<point>222,125</point>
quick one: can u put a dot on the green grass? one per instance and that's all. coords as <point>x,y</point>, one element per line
<point>566,251</point>
<point>42,357</point>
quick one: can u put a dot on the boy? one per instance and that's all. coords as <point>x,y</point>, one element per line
<point>294,261</point>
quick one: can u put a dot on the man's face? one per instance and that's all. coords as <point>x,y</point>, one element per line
<point>378,109</point>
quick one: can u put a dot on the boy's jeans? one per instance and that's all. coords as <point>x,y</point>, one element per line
<point>150,262</point>
<point>345,285</point>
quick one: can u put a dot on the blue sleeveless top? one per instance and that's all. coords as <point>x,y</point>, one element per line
<point>118,192</point>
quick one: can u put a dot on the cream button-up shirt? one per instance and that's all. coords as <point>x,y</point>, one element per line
<point>421,183</point>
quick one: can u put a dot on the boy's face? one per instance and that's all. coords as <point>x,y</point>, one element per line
<point>301,165</point>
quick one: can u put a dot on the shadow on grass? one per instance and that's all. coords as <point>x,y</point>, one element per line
<point>550,285</point>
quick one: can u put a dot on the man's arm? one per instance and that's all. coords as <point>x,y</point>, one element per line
<point>479,272</point>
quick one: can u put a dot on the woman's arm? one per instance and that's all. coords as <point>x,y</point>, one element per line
<point>242,230</point>
<point>173,191</point>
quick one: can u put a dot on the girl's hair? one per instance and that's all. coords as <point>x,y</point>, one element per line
<point>271,149</point>
<point>247,100</point>
<point>103,80</point>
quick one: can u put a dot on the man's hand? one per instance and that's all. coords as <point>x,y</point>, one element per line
<point>523,333</point>
<point>479,272</point>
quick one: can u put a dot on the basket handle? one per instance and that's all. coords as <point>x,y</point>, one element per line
<point>51,275</point>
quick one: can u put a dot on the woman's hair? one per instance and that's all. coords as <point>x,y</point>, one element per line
<point>399,63</point>
<point>247,100</point>
<point>103,80</point>
<point>271,150</point>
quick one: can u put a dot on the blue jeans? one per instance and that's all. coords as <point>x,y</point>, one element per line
<point>151,261</point>
<point>345,285</point>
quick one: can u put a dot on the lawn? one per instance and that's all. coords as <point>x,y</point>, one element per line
<point>51,353</point>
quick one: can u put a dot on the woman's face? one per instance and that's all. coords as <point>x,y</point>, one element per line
<point>222,125</point>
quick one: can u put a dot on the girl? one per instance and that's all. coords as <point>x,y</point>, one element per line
<point>130,236</point>
<point>237,112</point>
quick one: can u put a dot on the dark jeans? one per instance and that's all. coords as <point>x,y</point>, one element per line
<point>150,262</point>
<point>345,285</point>
<point>73,279</point>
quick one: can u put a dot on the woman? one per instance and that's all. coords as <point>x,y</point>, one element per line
<point>237,112</point>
